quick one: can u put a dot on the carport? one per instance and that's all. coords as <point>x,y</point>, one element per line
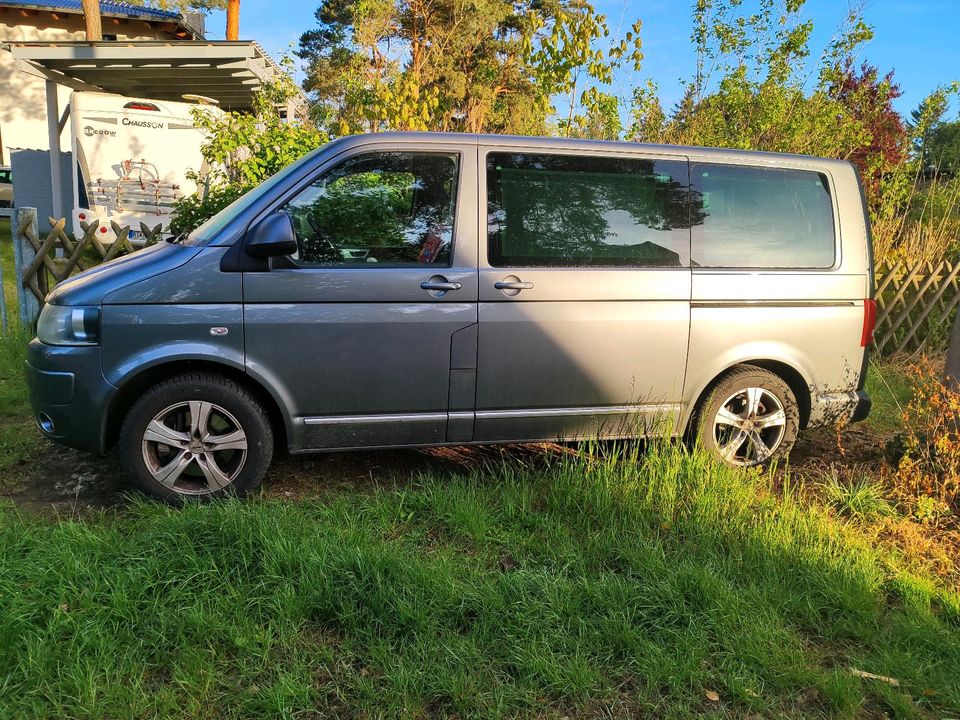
<point>229,72</point>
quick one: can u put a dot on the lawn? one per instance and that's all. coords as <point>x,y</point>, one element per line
<point>595,584</point>
<point>9,273</point>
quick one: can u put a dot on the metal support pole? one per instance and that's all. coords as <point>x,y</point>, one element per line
<point>53,136</point>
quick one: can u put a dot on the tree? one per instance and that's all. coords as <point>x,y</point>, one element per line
<point>201,6</point>
<point>751,88</point>
<point>489,66</point>
<point>868,98</point>
<point>91,19</point>
<point>941,152</point>
<point>423,64</point>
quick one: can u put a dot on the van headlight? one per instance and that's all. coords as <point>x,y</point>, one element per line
<point>69,325</point>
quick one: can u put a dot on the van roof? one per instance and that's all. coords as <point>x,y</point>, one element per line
<point>691,151</point>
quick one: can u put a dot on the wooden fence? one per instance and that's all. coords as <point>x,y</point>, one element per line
<point>915,306</point>
<point>44,259</point>
<point>915,302</point>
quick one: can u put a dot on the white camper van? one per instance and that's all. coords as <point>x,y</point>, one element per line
<point>132,156</point>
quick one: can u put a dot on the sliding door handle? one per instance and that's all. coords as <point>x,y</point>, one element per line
<point>504,285</point>
<point>444,286</point>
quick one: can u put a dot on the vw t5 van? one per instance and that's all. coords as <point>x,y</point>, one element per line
<point>414,289</point>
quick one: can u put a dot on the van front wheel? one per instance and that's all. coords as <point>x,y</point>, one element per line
<point>196,435</point>
<point>749,418</point>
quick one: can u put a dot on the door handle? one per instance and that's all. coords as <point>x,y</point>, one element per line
<point>503,285</point>
<point>438,286</point>
<point>441,286</point>
<point>513,285</point>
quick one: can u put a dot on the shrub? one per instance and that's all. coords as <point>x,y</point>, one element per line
<point>192,211</point>
<point>927,478</point>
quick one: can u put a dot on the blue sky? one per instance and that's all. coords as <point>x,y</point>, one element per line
<point>915,38</point>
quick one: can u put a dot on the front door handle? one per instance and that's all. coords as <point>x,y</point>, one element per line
<point>438,286</point>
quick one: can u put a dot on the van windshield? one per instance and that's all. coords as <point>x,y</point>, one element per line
<point>209,230</point>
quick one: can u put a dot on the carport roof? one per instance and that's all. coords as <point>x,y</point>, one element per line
<point>227,71</point>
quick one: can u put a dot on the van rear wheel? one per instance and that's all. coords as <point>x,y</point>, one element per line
<point>749,418</point>
<point>198,436</point>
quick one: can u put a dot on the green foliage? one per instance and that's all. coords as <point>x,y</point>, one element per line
<point>202,6</point>
<point>750,89</point>
<point>245,149</point>
<point>941,149</point>
<point>606,584</point>
<point>193,210</point>
<point>490,66</point>
<point>250,147</point>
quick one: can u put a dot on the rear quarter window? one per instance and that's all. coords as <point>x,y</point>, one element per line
<point>753,217</point>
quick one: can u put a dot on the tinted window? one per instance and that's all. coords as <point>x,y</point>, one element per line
<point>571,210</point>
<point>6,176</point>
<point>761,217</point>
<point>394,208</point>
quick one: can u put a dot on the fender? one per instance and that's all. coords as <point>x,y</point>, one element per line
<point>745,353</point>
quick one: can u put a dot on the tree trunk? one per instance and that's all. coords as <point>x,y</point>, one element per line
<point>91,17</point>
<point>951,370</point>
<point>233,19</point>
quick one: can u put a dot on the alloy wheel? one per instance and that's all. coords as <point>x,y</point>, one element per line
<point>194,447</point>
<point>749,426</point>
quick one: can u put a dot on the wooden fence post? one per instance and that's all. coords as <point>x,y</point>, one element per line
<point>25,224</point>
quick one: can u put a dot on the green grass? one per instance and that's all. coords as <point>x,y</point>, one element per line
<point>19,438</point>
<point>9,272</point>
<point>593,587</point>
<point>889,386</point>
<point>633,587</point>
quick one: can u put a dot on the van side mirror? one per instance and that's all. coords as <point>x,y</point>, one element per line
<point>273,237</point>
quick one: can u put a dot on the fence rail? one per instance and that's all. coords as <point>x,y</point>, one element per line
<point>915,302</point>
<point>43,260</point>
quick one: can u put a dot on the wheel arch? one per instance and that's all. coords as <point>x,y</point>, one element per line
<point>794,379</point>
<point>134,386</point>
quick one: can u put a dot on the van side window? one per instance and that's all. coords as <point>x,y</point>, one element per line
<point>392,208</point>
<point>756,217</point>
<point>580,211</point>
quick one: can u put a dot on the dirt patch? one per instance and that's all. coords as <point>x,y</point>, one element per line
<point>857,444</point>
<point>65,481</point>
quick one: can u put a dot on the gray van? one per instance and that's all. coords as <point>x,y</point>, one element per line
<point>414,289</point>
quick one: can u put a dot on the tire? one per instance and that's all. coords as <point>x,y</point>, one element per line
<point>219,440</point>
<point>740,436</point>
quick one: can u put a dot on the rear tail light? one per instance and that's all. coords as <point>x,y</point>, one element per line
<point>869,322</point>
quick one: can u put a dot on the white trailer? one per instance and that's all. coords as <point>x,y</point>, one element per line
<point>132,160</point>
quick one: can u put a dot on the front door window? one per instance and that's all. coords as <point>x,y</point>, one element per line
<point>385,208</point>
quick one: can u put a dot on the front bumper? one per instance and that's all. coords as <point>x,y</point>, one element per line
<point>69,394</point>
